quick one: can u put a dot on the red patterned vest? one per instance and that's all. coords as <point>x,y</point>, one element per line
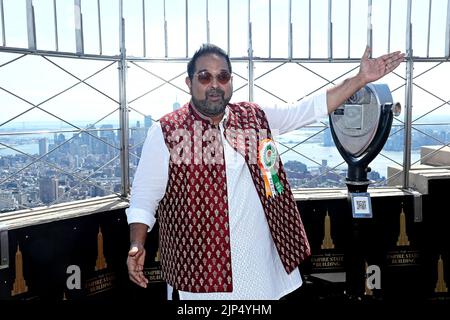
<point>193,214</point>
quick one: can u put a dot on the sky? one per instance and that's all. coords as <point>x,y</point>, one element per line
<point>36,79</point>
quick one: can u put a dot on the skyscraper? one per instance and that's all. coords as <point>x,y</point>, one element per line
<point>42,146</point>
<point>48,189</point>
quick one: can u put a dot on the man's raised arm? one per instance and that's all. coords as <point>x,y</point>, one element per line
<point>370,70</point>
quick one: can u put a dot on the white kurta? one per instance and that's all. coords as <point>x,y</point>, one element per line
<point>257,270</point>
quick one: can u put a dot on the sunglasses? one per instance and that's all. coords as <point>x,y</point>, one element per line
<point>205,77</point>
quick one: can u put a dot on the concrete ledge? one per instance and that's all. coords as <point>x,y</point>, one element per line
<point>23,218</point>
<point>419,176</point>
<point>435,155</point>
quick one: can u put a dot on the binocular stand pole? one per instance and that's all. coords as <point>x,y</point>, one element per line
<point>355,250</point>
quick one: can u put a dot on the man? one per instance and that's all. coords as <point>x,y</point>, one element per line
<point>210,173</point>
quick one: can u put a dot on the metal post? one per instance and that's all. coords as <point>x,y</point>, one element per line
<point>166,49</point>
<point>309,29</point>
<point>389,25</point>
<point>250,57</point>
<point>55,22</point>
<point>369,26</point>
<point>79,41</point>
<point>144,43</point>
<point>207,23</point>
<point>270,29</point>
<point>123,109</point>
<point>2,15</point>
<point>228,27</point>
<point>447,31</point>
<point>330,30</point>
<point>408,100</point>
<point>349,27</point>
<point>290,31</point>
<point>430,5</point>
<point>31,27</point>
<point>187,28</point>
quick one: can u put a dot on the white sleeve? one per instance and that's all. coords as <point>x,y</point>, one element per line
<point>150,179</point>
<point>289,117</point>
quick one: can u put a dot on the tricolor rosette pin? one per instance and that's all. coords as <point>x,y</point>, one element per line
<point>267,160</point>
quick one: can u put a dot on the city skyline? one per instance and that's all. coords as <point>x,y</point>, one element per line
<point>83,157</point>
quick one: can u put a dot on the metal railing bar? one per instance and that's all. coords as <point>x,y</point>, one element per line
<point>207,22</point>
<point>267,72</point>
<point>141,113</point>
<point>272,94</point>
<point>429,136</point>
<point>81,129</point>
<point>381,183</point>
<point>389,158</point>
<point>309,29</point>
<point>186,26</point>
<point>99,19</point>
<point>76,84</point>
<point>389,26</point>
<point>2,16</point>
<point>228,27</point>
<point>31,25</point>
<point>166,45</point>
<point>304,156</point>
<point>79,38</point>
<point>159,86</point>
<point>329,170</point>
<point>326,84</point>
<point>317,74</point>
<point>290,26</point>
<point>429,155</point>
<point>308,138</point>
<point>447,31</point>
<point>270,29</point>
<point>330,30</point>
<point>55,25</point>
<point>369,26</point>
<point>90,86</point>
<point>349,27</point>
<point>427,70</point>
<point>12,60</point>
<point>144,40</point>
<point>429,27</point>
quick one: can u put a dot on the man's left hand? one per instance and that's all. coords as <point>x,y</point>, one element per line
<point>374,69</point>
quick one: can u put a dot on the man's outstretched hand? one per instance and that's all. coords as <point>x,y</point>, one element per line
<point>374,69</point>
<point>135,264</point>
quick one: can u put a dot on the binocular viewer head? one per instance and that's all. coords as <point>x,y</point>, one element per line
<point>361,126</point>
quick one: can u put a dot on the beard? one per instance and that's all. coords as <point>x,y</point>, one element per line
<point>211,108</point>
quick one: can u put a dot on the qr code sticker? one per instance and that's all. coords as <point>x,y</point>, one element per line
<point>361,205</point>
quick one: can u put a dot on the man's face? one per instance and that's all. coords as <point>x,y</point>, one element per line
<point>211,86</point>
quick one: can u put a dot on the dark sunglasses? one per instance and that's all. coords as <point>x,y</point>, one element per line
<point>205,77</point>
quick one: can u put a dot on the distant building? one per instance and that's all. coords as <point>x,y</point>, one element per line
<point>43,146</point>
<point>327,138</point>
<point>7,201</point>
<point>148,121</point>
<point>48,189</point>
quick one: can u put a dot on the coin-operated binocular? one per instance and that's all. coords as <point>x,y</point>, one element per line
<point>360,128</point>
